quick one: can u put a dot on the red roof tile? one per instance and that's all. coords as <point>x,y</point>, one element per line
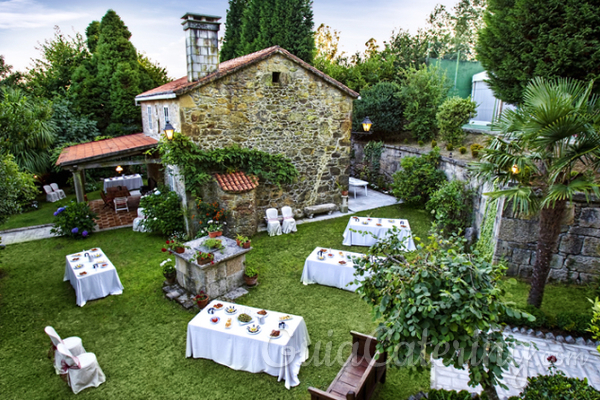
<point>182,86</point>
<point>236,182</point>
<point>104,148</point>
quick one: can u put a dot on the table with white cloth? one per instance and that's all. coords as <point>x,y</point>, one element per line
<point>379,227</point>
<point>238,349</point>
<point>337,270</point>
<point>92,282</point>
<point>129,181</point>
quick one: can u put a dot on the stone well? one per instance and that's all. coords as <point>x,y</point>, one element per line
<point>225,275</point>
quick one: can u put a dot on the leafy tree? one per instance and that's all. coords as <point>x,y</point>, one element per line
<point>92,33</point>
<point>380,103</point>
<point>418,179</point>
<point>7,77</point>
<point>547,150</point>
<point>423,91</point>
<point>327,44</point>
<point>233,31</point>
<point>16,187</point>
<point>70,127</point>
<point>529,38</point>
<point>451,206</point>
<point>26,128</point>
<point>452,115</point>
<point>157,73</point>
<point>409,51</point>
<point>443,303</point>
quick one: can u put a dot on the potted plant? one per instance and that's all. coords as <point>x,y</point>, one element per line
<point>169,271</point>
<point>250,276</point>
<point>175,245</point>
<point>246,244</point>
<point>342,189</point>
<point>215,228</point>
<point>201,299</point>
<point>240,239</point>
<point>213,244</point>
<point>204,258</point>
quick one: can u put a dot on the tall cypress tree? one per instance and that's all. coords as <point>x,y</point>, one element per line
<point>233,31</point>
<point>298,29</point>
<point>251,27</point>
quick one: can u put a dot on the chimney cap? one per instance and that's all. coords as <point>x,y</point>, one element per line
<point>201,17</point>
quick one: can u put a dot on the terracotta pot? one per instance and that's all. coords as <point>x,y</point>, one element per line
<point>238,242</point>
<point>344,193</point>
<point>202,303</point>
<point>204,261</point>
<point>246,245</point>
<point>214,234</point>
<point>250,281</point>
<point>179,250</point>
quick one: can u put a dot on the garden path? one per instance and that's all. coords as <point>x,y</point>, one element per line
<point>26,234</point>
<point>578,361</point>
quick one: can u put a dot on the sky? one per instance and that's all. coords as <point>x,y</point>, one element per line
<point>156,24</point>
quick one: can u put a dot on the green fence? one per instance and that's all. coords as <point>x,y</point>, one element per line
<point>459,74</point>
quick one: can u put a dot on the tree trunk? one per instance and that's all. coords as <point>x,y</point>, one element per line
<point>550,223</point>
<point>490,390</point>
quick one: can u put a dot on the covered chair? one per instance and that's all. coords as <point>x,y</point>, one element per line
<point>273,226</point>
<point>121,204</point>
<point>73,344</point>
<point>83,370</point>
<point>51,196</point>
<point>55,189</point>
<point>289,223</point>
<point>138,226</point>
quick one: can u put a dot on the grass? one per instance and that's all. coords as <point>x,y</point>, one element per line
<point>44,214</point>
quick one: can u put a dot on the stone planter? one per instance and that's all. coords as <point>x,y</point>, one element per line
<point>214,234</point>
<point>250,281</point>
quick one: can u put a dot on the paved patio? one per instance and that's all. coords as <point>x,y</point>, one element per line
<point>108,218</point>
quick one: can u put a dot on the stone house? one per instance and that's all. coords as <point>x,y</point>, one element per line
<point>270,101</point>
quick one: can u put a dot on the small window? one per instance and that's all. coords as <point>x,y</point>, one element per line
<point>276,77</point>
<point>149,117</point>
<point>166,111</point>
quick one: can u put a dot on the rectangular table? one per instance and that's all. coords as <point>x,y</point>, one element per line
<point>239,350</point>
<point>129,181</point>
<point>330,271</point>
<point>97,282</point>
<point>358,239</point>
<point>357,182</point>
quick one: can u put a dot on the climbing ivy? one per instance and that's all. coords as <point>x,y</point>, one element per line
<point>485,244</point>
<point>372,158</point>
<point>197,165</point>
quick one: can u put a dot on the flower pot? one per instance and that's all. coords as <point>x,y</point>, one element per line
<point>214,234</point>
<point>250,281</point>
<point>202,303</point>
<point>246,245</point>
<point>344,193</point>
<point>171,278</point>
<point>179,250</point>
<point>238,242</point>
<point>203,261</point>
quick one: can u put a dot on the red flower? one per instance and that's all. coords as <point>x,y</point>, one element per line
<point>552,359</point>
<point>163,249</point>
<point>168,242</point>
<point>212,262</point>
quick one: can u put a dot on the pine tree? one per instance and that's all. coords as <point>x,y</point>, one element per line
<point>92,33</point>
<point>233,31</point>
<point>251,28</point>
<point>298,29</point>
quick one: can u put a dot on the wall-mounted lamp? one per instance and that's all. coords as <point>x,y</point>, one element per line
<point>366,124</point>
<point>169,130</point>
<point>515,169</point>
<point>119,169</point>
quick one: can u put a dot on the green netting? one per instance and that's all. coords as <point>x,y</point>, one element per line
<point>466,70</point>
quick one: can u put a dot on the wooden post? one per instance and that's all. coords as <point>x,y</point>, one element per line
<point>78,183</point>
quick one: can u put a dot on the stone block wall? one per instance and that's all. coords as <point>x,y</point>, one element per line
<point>577,254</point>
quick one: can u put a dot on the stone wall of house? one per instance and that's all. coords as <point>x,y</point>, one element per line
<point>302,117</point>
<point>576,257</point>
<point>157,115</point>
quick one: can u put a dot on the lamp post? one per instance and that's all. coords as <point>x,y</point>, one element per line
<point>366,124</point>
<point>169,130</point>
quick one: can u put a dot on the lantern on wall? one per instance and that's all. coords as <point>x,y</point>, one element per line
<point>119,169</point>
<point>366,124</point>
<point>169,130</point>
<point>515,169</point>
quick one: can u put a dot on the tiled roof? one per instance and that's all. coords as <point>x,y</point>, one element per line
<point>182,86</point>
<point>105,148</point>
<point>236,182</point>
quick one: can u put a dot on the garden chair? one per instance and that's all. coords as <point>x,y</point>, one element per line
<point>73,344</point>
<point>51,196</point>
<point>120,204</point>
<point>138,226</point>
<point>289,223</point>
<point>273,226</point>
<point>55,189</point>
<point>83,371</point>
<point>108,202</point>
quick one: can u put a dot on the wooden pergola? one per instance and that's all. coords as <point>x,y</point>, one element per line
<point>106,153</point>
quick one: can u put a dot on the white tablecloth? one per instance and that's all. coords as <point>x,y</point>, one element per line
<point>358,239</point>
<point>129,181</point>
<point>98,282</point>
<point>239,350</point>
<point>329,271</point>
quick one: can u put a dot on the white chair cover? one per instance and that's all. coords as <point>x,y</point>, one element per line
<point>83,370</point>
<point>73,344</point>
<point>50,195</point>
<point>289,223</point>
<point>55,189</point>
<point>121,204</point>
<point>273,226</point>
<point>137,222</point>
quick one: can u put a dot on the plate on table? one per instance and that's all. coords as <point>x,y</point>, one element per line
<point>324,250</point>
<point>104,265</point>
<point>391,221</point>
<point>253,329</point>
<point>342,262</point>
<point>94,249</point>
<point>365,222</point>
<point>330,255</point>
<point>378,224</point>
<point>82,273</point>
<point>286,318</point>
<point>75,259</point>
<point>228,323</point>
<point>246,319</point>
<point>231,310</point>
<point>275,334</point>
<point>97,255</point>
<point>215,320</point>
<point>218,307</point>
<point>262,313</point>
<point>78,266</point>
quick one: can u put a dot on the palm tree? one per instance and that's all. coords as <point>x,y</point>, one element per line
<point>548,150</point>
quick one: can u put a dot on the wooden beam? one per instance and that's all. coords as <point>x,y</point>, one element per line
<point>122,162</point>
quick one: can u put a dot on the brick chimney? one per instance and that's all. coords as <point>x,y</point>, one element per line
<point>201,44</point>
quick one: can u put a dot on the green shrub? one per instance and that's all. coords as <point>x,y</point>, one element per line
<point>541,320</point>
<point>475,148</point>
<point>163,212</point>
<point>441,394</point>
<point>418,179</point>
<point>421,143</point>
<point>207,212</point>
<point>462,150</point>
<point>75,220</point>
<point>449,146</point>
<point>557,387</point>
<point>423,91</point>
<point>573,322</point>
<point>452,115</point>
<point>451,206</point>
<point>17,188</point>
<point>382,104</point>
<point>433,144</point>
<point>594,327</point>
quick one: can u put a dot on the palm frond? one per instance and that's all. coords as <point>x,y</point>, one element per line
<point>523,198</point>
<point>560,191</point>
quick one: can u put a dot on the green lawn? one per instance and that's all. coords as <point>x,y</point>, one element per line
<point>44,214</point>
<point>139,337</point>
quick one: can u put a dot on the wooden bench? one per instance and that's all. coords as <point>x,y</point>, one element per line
<point>360,374</point>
